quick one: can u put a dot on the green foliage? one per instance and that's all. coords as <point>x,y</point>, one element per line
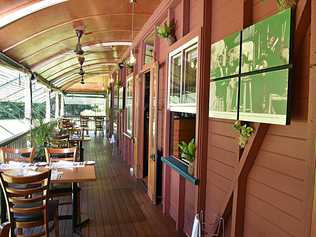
<point>127,63</point>
<point>11,110</point>
<point>76,109</point>
<point>245,132</point>
<point>165,30</point>
<point>40,137</point>
<point>188,150</point>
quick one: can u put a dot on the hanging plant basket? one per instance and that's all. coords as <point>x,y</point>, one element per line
<point>167,31</point>
<point>284,4</point>
<point>245,132</point>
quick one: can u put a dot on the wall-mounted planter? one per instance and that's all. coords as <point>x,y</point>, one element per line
<point>180,167</point>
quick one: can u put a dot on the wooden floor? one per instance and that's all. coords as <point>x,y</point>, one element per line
<point>116,203</point>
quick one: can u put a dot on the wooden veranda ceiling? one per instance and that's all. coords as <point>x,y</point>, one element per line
<point>44,40</point>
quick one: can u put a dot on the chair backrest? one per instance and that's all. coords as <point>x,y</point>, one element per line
<point>27,196</point>
<point>5,229</point>
<point>60,141</point>
<point>84,121</point>
<point>56,154</point>
<point>12,154</point>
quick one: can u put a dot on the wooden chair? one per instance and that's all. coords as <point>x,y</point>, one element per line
<point>99,125</point>
<point>54,155</point>
<point>5,229</point>
<point>84,123</point>
<point>30,207</point>
<point>60,141</point>
<point>12,154</point>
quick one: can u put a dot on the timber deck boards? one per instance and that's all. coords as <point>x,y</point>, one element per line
<point>116,203</point>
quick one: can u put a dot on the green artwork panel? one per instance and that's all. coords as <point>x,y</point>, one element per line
<point>224,98</point>
<point>267,43</point>
<point>225,56</point>
<point>264,97</point>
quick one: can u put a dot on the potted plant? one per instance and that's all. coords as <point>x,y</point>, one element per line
<point>40,137</point>
<point>187,151</point>
<point>245,132</point>
<point>283,4</point>
<point>167,31</point>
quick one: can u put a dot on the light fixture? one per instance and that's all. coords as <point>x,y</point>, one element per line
<point>20,13</point>
<point>82,80</point>
<point>132,59</point>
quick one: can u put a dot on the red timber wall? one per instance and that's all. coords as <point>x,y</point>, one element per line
<point>125,142</point>
<point>273,195</point>
<point>276,200</point>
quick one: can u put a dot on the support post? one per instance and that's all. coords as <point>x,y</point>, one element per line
<point>203,83</point>
<point>47,114</point>
<point>56,105</point>
<point>28,100</point>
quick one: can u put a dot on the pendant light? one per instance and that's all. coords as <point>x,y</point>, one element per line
<point>132,59</point>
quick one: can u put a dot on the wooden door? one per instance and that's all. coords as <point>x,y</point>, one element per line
<point>152,143</point>
<point>138,117</point>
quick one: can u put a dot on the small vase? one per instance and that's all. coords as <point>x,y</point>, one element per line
<point>191,168</point>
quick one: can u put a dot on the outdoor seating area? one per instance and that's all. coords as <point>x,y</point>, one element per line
<point>173,118</point>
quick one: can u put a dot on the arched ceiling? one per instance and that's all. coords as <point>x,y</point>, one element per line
<point>44,40</point>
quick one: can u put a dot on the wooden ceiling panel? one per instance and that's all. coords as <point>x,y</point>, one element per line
<point>41,39</point>
<point>92,84</point>
<point>59,62</point>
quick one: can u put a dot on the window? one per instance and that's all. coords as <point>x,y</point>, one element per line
<point>149,54</point>
<point>76,105</point>
<point>182,77</point>
<point>129,104</point>
<point>12,102</point>
<point>149,49</point>
<point>39,93</point>
<point>52,102</point>
<point>121,98</point>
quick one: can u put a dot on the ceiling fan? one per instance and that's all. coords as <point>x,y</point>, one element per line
<point>81,72</point>
<point>89,49</point>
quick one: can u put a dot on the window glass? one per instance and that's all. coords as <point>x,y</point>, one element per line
<point>12,102</point>
<point>76,105</point>
<point>189,85</point>
<point>52,102</point>
<point>149,54</point>
<point>176,68</point>
<point>39,92</point>
<point>129,104</point>
<point>121,98</point>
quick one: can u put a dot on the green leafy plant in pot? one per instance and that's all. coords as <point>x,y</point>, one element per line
<point>40,137</point>
<point>245,132</point>
<point>167,31</point>
<point>187,151</point>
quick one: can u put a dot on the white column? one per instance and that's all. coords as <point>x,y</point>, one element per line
<point>56,105</point>
<point>47,115</point>
<point>28,99</point>
<point>62,105</point>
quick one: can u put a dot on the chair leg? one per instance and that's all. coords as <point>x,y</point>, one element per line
<point>56,225</point>
<point>19,231</point>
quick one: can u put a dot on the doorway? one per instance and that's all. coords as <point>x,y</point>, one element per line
<point>146,126</point>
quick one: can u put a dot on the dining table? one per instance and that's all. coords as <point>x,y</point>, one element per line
<point>80,172</point>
